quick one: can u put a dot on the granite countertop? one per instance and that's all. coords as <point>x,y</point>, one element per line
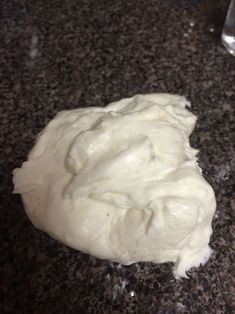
<point>58,55</point>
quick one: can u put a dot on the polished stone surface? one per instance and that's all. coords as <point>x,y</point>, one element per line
<point>57,55</point>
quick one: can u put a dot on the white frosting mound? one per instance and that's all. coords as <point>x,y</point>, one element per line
<point>122,183</point>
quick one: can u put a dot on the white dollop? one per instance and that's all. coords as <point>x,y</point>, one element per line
<point>122,183</point>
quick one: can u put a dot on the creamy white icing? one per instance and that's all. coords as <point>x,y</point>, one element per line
<point>122,183</point>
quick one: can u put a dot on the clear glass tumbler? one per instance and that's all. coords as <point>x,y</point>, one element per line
<point>228,34</point>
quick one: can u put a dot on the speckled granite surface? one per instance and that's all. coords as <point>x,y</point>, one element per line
<point>65,54</point>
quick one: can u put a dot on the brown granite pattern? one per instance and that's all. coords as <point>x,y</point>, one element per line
<point>57,55</point>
